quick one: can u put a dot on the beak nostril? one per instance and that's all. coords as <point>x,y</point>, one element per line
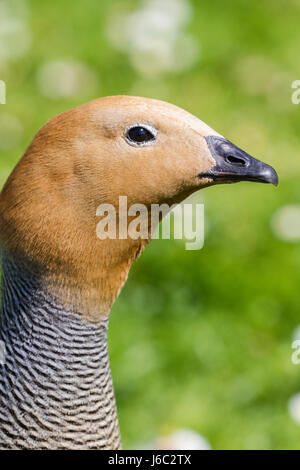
<point>235,160</point>
<point>233,164</point>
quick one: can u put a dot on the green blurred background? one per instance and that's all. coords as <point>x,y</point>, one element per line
<point>199,340</point>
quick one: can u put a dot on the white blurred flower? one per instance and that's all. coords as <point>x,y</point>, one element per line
<point>183,439</point>
<point>179,12</point>
<point>156,20</point>
<point>286,223</point>
<point>15,37</point>
<point>185,53</point>
<point>63,79</point>
<point>294,407</point>
<point>159,56</point>
<point>152,36</point>
<point>11,131</point>
<point>153,59</point>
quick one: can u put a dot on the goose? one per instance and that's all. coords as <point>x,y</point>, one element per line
<point>60,280</point>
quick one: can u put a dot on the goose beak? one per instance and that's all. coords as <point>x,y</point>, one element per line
<point>233,164</point>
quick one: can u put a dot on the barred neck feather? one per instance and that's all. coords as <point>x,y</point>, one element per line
<point>56,389</point>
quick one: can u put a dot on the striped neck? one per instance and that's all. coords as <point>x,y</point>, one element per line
<point>56,390</point>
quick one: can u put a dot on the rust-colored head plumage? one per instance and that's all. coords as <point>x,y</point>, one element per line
<point>82,158</point>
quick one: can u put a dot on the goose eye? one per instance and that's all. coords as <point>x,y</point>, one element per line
<point>139,135</point>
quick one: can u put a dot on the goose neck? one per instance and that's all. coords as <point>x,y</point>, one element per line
<point>56,390</point>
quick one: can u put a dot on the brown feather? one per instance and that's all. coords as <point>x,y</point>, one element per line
<point>79,160</point>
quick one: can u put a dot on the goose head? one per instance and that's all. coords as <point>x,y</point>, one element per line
<point>150,151</point>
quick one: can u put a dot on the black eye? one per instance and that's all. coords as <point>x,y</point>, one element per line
<point>140,135</point>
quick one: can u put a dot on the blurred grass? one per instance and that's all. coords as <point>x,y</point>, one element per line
<point>198,340</point>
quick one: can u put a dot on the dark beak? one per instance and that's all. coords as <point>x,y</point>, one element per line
<point>233,164</point>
